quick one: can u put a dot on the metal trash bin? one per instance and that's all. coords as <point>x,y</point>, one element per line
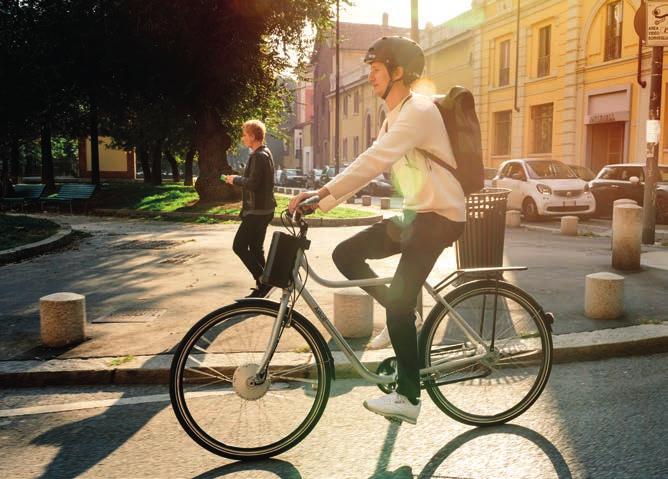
<point>481,244</point>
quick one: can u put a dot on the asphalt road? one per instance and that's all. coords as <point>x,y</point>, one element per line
<point>595,419</point>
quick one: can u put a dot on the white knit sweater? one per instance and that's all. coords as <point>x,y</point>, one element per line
<point>426,185</point>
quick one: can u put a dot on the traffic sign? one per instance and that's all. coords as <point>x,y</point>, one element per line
<point>657,23</point>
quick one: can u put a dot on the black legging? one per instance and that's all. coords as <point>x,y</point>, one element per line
<point>249,242</point>
<point>420,238</point>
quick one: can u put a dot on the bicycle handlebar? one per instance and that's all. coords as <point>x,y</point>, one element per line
<point>299,210</point>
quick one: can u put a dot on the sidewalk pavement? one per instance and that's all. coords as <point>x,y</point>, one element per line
<point>147,282</point>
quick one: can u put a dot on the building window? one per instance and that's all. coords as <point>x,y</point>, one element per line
<point>504,63</point>
<point>345,149</point>
<point>367,127</point>
<point>541,118</point>
<point>345,105</point>
<point>356,103</point>
<point>502,132</point>
<point>544,37</point>
<point>356,146</point>
<point>613,31</point>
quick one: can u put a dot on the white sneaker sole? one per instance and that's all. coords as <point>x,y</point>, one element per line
<point>392,417</point>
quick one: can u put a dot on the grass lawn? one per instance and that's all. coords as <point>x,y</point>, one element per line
<point>19,230</point>
<point>176,197</point>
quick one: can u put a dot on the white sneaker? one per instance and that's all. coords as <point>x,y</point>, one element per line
<point>383,341</point>
<point>394,406</point>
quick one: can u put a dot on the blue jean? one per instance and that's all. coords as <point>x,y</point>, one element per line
<point>420,238</point>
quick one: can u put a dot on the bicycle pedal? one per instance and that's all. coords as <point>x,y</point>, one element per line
<point>394,420</point>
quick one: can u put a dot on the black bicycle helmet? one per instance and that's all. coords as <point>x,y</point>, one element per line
<point>395,52</point>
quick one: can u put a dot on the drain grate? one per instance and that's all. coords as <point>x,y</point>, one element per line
<point>131,316</point>
<point>179,258</point>
<point>151,244</point>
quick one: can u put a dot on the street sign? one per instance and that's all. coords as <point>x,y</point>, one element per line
<point>657,23</point>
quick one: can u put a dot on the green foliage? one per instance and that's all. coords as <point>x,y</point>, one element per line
<point>20,230</point>
<point>172,197</point>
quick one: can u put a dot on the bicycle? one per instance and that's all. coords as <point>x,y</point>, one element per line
<point>485,349</point>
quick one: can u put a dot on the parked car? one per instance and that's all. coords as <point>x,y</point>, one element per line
<point>379,186</point>
<point>627,180</point>
<point>582,172</point>
<point>278,172</point>
<point>544,188</point>
<point>329,172</point>
<point>313,179</point>
<point>292,177</point>
<point>490,173</point>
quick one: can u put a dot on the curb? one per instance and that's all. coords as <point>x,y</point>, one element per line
<point>62,237</point>
<point>575,347</point>
<point>316,222</point>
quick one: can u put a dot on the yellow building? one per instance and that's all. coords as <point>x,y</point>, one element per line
<point>114,163</point>
<point>569,92</point>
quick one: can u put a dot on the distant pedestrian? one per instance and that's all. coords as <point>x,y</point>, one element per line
<point>258,204</point>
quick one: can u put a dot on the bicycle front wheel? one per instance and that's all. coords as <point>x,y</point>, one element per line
<point>215,393</point>
<point>506,380</point>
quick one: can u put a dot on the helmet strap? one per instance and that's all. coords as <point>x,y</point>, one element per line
<point>390,84</point>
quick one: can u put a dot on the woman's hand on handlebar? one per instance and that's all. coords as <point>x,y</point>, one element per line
<point>304,195</point>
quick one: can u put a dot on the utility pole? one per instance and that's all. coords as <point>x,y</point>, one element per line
<point>336,96</point>
<point>653,135</point>
<point>415,29</point>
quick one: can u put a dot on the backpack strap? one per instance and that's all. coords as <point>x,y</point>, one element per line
<point>437,160</point>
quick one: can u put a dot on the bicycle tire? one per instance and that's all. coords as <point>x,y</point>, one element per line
<point>517,363</point>
<point>204,360</point>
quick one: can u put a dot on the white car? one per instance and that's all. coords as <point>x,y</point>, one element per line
<point>544,188</point>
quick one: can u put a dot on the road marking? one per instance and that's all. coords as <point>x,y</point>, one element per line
<point>100,403</point>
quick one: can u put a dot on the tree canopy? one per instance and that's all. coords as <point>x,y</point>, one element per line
<point>156,75</point>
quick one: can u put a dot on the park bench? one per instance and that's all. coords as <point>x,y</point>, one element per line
<point>24,195</point>
<point>71,192</point>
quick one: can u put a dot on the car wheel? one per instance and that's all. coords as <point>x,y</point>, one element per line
<point>530,210</point>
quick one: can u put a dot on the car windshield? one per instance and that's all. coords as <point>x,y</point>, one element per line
<point>663,174</point>
<point>553,170</point>
<point>582,172</point>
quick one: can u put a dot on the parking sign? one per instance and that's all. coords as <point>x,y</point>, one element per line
<point>657,23</point>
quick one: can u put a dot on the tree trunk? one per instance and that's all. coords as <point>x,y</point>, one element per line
<point>176,175</point>
<point>156,160</point>
<point>212,144</point>
<point>4,176</point>
<point>15,158</point>
<point>144,160</point>
<point>47,158</point>
<point>94,145</point>
<point>188,167</point>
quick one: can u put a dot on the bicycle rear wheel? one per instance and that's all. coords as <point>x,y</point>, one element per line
<point>212,374</point>
<point>505,383</point>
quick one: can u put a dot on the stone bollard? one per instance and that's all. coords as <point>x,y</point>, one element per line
<point>569,225</point>
<point>626,236</point>
<point>62,319</point>
<point>366,200</point>
<point>621,201</point>
<point>604,296</point>
<point>351,200</point>
<point>384,203</point>
<point>513,219</point>
<point>353,313</point>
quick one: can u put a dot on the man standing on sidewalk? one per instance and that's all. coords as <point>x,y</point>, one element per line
<point>258,204</point>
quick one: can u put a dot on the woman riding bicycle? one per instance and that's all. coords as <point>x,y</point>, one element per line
<point>433,216</point>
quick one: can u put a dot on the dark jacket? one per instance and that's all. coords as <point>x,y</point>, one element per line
<point>258,183</point>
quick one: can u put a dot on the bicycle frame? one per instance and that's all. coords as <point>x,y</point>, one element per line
<point>445,365</point>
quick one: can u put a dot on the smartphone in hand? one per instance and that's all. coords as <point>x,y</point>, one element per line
<point>223,178</point>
